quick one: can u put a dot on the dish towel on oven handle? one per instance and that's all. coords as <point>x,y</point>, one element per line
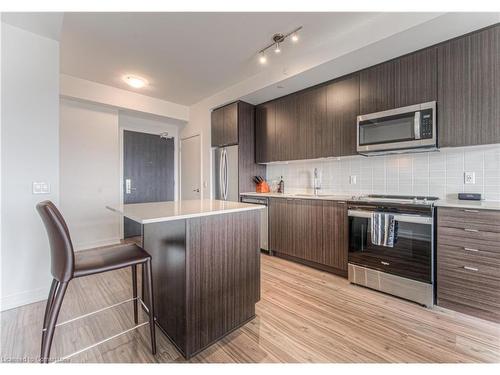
<point>384,229</point>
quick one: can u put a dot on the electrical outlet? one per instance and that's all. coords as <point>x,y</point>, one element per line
<point>41,188</point>
<point>469,177</point>
<point>352,180</point>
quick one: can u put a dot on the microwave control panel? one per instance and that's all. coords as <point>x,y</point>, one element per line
<point>426,123</point>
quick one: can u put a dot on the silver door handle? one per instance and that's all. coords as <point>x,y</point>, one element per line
<point>221,183</point>
<point>471,268</point>
<point>404,218</point>
<point>128,186</point>
<point>385,263</point>
<point>225,175</point>
<point>470,230</point>
<point>470,249</point>
<point>472,211</point>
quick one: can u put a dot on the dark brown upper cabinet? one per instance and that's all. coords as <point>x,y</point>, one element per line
<point>311,118</point>
<point>342,107</point>
<point>469,89</point>
<point>416,78</point>
<point>225,125</point>
<point>407,80</point>
<point>265,132</point>
<point>377,88</point>
<point>287,136</point>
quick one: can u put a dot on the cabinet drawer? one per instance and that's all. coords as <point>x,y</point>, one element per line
<point>469,216</point>
<point>492,248</point>
<point>468,266</point>
<point>468,255</point>
<point>470,232</point>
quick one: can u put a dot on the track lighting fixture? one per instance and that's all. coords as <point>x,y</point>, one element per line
<point>278,39</point>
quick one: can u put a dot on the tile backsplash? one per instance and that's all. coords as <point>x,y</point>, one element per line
<point>438,174</point>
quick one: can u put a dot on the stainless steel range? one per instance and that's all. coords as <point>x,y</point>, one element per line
<point>391,245</point>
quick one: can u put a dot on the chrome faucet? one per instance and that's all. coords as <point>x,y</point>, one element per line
<point>316,182</point>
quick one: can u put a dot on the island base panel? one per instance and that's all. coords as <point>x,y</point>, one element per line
<point>206,275</point>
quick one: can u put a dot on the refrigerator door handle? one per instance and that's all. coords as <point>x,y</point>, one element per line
<point>226,182</point>
<point>221,183</point>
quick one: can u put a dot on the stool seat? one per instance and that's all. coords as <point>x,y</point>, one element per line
<point>89,262</point>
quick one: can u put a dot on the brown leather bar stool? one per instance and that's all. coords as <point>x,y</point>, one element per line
<point>66,265</point>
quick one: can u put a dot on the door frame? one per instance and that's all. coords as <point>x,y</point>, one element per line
<point>147,130</point>
<point>201,162</point>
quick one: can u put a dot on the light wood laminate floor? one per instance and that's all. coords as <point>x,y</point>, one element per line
<point>304,315</point>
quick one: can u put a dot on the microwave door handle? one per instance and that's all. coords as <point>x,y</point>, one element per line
<point>416,125</point>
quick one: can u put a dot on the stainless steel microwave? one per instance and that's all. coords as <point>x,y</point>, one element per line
<point>405,129</point>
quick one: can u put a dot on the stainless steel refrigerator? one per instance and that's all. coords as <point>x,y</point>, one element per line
<point>225,169</point>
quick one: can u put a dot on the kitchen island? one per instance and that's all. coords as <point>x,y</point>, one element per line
<point>206,266</point>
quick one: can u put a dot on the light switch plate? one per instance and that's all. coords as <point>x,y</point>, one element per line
<point>352,180</point>
<point>469,177</point>
<point>41,188</point>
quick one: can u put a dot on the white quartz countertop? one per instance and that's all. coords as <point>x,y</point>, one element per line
<point>478,205</point>
<point>146,213</point>
<point>327,197</point>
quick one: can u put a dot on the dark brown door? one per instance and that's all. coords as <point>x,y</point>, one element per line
<point>281,212</point>
<point>265,132</point>
<point>217,129</point>
<point>416,78</point>
<point>335,232</point>
<point>148,172</point>
<point>230,124</point>
<point>339,137</point>
<point>311,118</point>
<point>376,88</point>
<point>469,89</point>
<point>287,136</point>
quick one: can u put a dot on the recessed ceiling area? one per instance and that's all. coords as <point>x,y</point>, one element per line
<point>186,57</point>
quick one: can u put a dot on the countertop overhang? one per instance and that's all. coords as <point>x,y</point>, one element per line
<point>155,212</point>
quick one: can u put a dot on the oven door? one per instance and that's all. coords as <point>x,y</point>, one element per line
<point>397,129</point>
<point>411,255</point>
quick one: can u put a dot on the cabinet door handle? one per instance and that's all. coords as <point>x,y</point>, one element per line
<point>472,211</point>
<point>385,263</point>
<point>470,249</point>
<point>470,230</point>
<point>470,268</point>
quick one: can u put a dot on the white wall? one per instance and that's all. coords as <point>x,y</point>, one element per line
<point>438,174</point>
<point>89,172</point>
<point>30,152</point>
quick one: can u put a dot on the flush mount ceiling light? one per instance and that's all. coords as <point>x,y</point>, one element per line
<point>135,81</point>
<point>278,40</point>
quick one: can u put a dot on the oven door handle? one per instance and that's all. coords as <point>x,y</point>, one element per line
<point>404,218</point>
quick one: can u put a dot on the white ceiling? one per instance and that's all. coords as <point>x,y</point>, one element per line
<point>188,56</point>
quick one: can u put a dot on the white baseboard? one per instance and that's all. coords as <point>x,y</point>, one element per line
<point>91,245</point>
<point>24,298</point>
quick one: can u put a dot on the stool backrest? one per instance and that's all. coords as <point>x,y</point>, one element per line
<point>61,248</point>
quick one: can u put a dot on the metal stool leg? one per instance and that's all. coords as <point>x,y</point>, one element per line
<point>134,292</point>
<point>48,307</point>
<point>54,313</point>
<point>149,280</point>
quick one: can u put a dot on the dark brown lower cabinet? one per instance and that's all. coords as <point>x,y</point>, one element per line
<point>310,231</point>
<point>468,261</point>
